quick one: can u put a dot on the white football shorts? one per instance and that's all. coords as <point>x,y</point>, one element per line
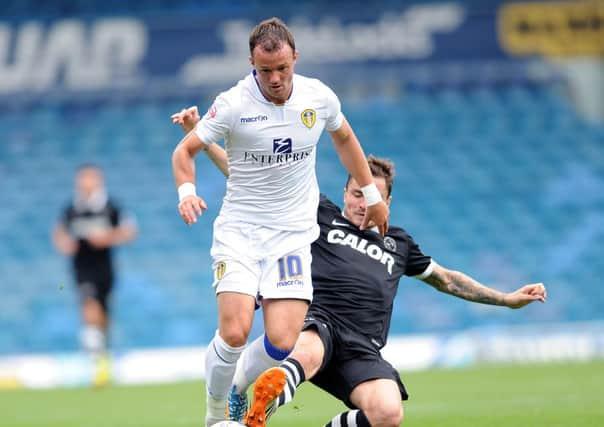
<point>262,262</point>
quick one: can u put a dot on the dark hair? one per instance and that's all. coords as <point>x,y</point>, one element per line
<point>270,35</point>
<point>88,165</point>
<point>380,168</point>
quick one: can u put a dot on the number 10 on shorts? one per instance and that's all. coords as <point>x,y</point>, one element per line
<point>290,267</point>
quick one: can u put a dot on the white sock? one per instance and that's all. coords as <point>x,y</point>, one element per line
<point>254,361</point>
<point>351,418</point>
<point>221,360</point>
<point>93,339</point>
<point>215,410</point>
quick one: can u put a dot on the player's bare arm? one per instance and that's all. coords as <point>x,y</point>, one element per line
<point>353,158</point>
<point>114,237</point>
<point>218,156</point>
<point>190,205</point>
<point>188,118</point>
<point>461,285</point>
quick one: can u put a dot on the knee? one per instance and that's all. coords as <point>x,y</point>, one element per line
<point>93,312</point>
<point>277,352</point>
<point>283,341</point>
<point>385,414</point>
<point>234,336</point>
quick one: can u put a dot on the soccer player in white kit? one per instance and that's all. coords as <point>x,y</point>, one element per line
<point>271,122</point>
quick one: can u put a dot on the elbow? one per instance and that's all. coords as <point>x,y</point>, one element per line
<point>175,155</point>
<point>449,284</point>
<point>180,156</point>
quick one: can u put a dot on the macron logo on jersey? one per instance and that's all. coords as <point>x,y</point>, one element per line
<point>361,245</point>
<point>253,119</point>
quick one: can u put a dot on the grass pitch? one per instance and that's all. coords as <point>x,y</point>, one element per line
<point>549,395</point>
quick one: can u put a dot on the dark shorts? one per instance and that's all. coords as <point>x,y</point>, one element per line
<point>350,359</point>
<point>95,288</point>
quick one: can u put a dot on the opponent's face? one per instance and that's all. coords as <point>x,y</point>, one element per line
<point>275,72</point>
<point>88,181</point>
<point>354,201</point>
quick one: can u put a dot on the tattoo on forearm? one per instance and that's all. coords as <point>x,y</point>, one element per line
<point>463,286</point>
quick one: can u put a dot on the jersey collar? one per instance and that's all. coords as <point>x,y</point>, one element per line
<point>95,203</point>
<point>260,96</point>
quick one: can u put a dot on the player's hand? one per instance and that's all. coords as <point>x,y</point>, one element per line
<point>187,118</point>
<point>376,215</point>
<point>101,239</point>
<point>190,208</point>
<point>64,243</point>
<point>526,295</point>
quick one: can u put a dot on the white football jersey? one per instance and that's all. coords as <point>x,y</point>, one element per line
<point>271,151</point>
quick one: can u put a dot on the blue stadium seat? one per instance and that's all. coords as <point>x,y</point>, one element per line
<point>505,184</point>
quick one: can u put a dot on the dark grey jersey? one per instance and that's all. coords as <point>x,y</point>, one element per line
<point>356,273</point>
<point>80,224</point>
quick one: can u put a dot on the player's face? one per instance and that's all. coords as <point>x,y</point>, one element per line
<point>275,72</point>
<point>354,201</point>
<point>88,181</point>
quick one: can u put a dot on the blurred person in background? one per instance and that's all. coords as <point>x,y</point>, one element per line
<point>89,227</point>
<point>271,122</point>
<point>355,275</point>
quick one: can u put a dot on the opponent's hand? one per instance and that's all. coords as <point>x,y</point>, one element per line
<point>376,215</point>
<point>190,208</point>
<point>187,118</point>
<point>526,295</point>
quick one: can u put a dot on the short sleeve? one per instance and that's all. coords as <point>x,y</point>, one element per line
<point>418,264</point>
<point>120,217</point>
<point>334,111</point>
<point>215,125</point>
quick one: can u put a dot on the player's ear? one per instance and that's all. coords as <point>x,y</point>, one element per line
<point>388,200</point>
<point>251,60</point>
<point>296,53</point>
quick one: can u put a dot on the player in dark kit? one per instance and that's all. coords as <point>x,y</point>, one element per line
<point>89,227</point>
<point>355,277</point>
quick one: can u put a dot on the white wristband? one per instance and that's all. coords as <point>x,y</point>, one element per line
<point>372,194</point>
<point>186,189</point>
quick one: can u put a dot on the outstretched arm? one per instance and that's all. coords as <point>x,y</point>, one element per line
<point>463,286</point>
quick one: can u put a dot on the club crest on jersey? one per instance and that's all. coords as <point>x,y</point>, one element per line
<point>390,243</point>
<point>309,117</point>
<point>219,270</point>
